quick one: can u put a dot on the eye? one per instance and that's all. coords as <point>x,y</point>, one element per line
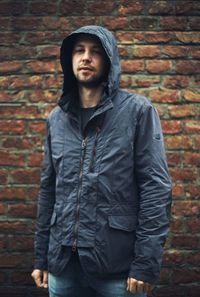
<point>78,50</point>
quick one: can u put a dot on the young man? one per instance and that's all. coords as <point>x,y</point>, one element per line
<point>103,208</point>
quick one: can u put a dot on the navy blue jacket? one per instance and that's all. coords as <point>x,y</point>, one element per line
<point>107,190</point>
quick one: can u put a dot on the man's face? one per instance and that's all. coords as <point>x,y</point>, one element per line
<point>88,61</point>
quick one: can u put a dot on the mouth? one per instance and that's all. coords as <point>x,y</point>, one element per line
<point>85,69</point>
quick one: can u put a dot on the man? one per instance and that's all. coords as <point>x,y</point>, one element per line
<point>103,208</point>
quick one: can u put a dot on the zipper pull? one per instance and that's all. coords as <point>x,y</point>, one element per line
<point>84,142</point>
<point>74,246</point>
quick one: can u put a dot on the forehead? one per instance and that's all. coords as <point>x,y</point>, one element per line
<point>92,40</point>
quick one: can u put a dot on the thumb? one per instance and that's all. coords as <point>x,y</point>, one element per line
<point>45,279</point>
<point>127,288</point>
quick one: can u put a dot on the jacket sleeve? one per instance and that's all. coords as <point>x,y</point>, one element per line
<point>154,187</point>
<point>45,206</point>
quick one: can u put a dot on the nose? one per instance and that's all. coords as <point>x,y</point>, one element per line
<point>86,56</point>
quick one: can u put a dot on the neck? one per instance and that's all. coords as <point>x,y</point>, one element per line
<point>90,97</point>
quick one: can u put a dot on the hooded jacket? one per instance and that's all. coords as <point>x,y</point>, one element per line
<point>105,192</point>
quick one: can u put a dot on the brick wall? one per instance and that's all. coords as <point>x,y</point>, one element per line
<point>159,48</point>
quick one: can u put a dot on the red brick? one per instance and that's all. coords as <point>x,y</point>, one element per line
<point>3,209</point>
<point>29,112</point>
<point>123,51</point>
<point>193,226</point>
<point>3,177</point>
<point>41,66</point>
<point>32,192</point>
<point>53,82</point>
<point>20,243</point>
<point>72,7</point>
<point>77,22</point>
<point>160,7</point>
<point>44,96</point>
<point>37,127</point>
<point>158,66</point>
<point>173,51</point>
<point>11,159</point>
<point>113,23</point>
<point>141,22</point>
<point>22,210</point>
<point>12,193</point>
<point>9,260</point>
<point>192,126</point>
<point>5,23</point>
<point>128,7</point>
<point>3,243</point>
<point>195,23</point>
<point>51,51</point>
<point>35,160</point>
<point>42,8</point>
<point>171,127</point>
<point>195,52</point>
<point>145,81</point>
<point>12,126</point>
<point>40,38</point>
<point>185,276</point>
<point>164,95</point>
<point>99,7</point>
<point>9,38</point>
<point>8,96</point>
<point>188,67</point>
<point>197,142</point>
<point>164,276</point>
<point>8,66</point>
<point>176,81</point>
<point>188,37</point>
<point>173,23</point>
<point>184,175</point>
<point>185,242</point>
<point>158,37</point>
<point>177,226</point>
<point>186,7</point>
<point>25,81</point>
<point>146,51</point>
<point>191,96</point>
<point>179,142</point>
<point>28,176</point>
<point>185,208</point>
<point>130,37</point>
<point>16,227</point>
<point>13,8</point>
<point>178,191</point>
<point>173,159</point>
<point>25,24</point>
<point>18,52</point>
<point>173,257</point>
<point>22,278</point>
<point>181,111</point>
<point>130,66</point>
<point>192,192</point>
<point>18,143</point>
<point>192,158</point>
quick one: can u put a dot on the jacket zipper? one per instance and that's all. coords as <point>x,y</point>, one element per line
<point>91,168</point>
<point>83,149</point>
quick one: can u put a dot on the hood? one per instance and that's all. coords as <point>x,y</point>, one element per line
<point>110,46</point>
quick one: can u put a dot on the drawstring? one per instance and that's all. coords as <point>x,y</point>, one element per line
<point>91,168</point>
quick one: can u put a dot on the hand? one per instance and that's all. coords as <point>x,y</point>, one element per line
<point>136,286</point>
<point>40,277</point>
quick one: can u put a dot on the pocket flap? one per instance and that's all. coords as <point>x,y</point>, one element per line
<point>125,223</point>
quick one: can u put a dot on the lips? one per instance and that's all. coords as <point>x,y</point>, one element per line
<point>85,68</point>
